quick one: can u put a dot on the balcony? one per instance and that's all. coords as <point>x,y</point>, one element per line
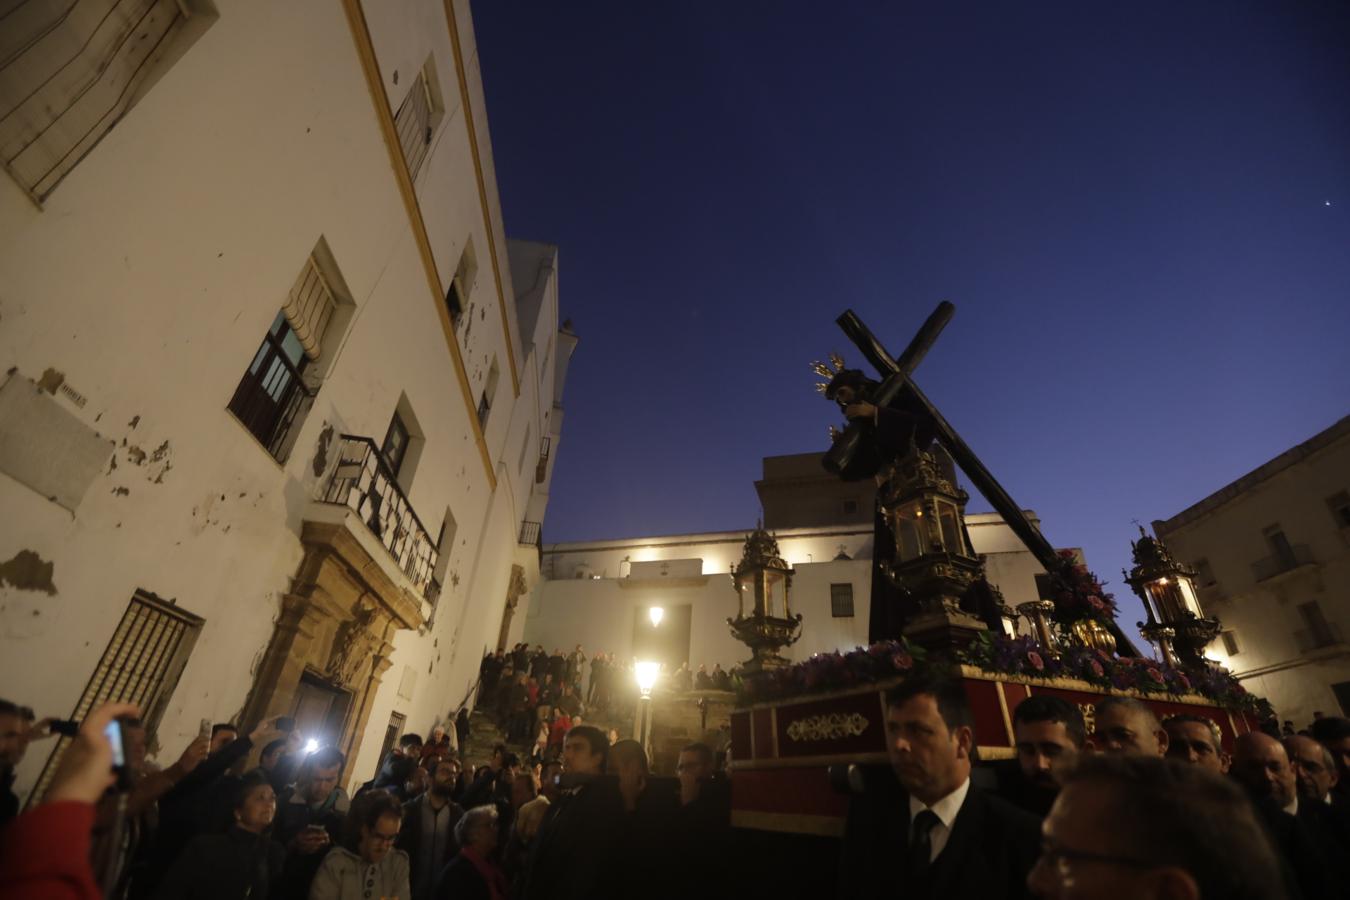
<point>529,534</point>
<point>1296,556</point>
<point>363,482</point>
<point>1327,634</point>
<point>541,469</point>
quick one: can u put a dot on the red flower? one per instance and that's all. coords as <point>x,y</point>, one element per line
<point>1185,682</point>
<point>1154,674</point>
<point>1097,668</point>
<point>901,662</point>
<point>1035,659</point>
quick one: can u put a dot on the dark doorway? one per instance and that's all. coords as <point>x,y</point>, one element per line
<point>320,710</point>
<point>666,642</point>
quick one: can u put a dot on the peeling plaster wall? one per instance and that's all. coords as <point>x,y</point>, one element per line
<point>191,219</point>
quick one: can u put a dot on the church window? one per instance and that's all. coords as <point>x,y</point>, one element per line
<point>841,601</point>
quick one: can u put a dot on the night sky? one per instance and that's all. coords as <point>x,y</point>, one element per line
<point>1140,210</point>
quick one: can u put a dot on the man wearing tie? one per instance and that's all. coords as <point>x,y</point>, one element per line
<point>923,830</point>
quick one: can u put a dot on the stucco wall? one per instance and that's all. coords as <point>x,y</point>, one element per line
<point>149,280</point>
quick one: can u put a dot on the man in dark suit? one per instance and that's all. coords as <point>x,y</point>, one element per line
<point>427,835</point>
<point>926,832</point>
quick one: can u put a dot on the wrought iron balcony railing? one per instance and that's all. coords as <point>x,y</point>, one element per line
<point>1278,563</point>
<point>364,483</point>
<point>529,534</point>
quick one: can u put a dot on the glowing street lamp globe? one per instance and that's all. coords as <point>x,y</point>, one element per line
<point>646,672</point>
<point>656,614</point>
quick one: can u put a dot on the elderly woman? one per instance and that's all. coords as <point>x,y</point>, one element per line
<point>471,875</point>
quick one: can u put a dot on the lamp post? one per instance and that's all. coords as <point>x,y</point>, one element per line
<point>646,672</point>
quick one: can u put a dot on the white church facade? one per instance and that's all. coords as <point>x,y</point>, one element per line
<point>601,593</point>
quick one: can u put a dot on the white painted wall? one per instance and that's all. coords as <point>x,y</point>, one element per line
<point>1264,615</point>
<point>620,578</point>
<point>149,280</point>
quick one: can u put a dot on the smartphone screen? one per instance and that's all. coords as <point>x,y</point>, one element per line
<point>114,735</point>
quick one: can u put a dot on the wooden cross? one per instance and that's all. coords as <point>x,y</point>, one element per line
<point>897,384</point>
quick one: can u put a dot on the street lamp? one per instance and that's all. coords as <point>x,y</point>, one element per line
<point>656,614</point>
<point>645,671</point>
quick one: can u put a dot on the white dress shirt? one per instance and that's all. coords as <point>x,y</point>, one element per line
<point>946,810</point>
<point>1292,808</point>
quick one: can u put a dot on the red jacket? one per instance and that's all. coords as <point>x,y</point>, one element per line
<point>44,854</point>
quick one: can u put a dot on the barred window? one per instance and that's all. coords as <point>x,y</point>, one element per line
<point>68,73</point>
<point>413,124</point>
<point>141,665</point>
<point>841,601</point>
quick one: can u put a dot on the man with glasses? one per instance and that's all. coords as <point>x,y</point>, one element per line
<point>375,869</point>
<point>1137,826</point>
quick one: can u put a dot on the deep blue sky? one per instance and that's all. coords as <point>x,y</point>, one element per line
<point>1127,202</point>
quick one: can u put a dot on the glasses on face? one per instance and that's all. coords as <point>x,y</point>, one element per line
<point>1063,859</point>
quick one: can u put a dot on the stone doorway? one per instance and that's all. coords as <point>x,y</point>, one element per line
<point>320,709</point>
<point>513,594</point>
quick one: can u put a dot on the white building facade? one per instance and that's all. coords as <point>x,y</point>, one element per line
<point>600,593</point>
<point>1272,555</point>
<point>282,400</point>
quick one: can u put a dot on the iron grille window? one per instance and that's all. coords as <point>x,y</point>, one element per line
<point>413,123</point>
<point>395,447</point>
<point>841,601</point>
<point>141,665</point>
<point>1230,644</point>
<point>272,391</point>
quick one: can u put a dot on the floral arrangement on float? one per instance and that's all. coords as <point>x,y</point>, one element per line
<point>999,654</point>
<point>1078,594</point>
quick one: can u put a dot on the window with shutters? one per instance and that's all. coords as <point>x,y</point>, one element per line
<point>141,665</point>
<point>417,118</point>
<point>280,383</point>
<point>841,601</point>
<point>1230,644</point>
<point>489,393</point>
<point>70,71</point>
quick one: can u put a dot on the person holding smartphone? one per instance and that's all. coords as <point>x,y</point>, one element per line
<point>44,852</point>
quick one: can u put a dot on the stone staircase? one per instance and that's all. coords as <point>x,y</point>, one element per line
<point>484,735</point>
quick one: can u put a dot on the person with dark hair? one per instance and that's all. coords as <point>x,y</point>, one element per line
<point>1137,826</point>
<point>1127,725</point>
<point>462,727</point>
<point>397,768</point>
<point>472,874</point>
<point>44,853</point>
<point>1196,740</point>
<point>573,853</point>
<point>926,831</point>
<point>244,862</point>
<point>1314,767</point>
<point>701,834</point>
<point>428,829</point>
<point>12,746</point>
<point>366,864</point>
<point>222,735</point>
<point>1333,732</point>
<point>310,817</point>
<point>1048,733</point>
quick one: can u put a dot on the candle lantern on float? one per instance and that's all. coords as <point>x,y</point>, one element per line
<point>763,580</point>
<point>934,562</point>
<point>1176,623</point>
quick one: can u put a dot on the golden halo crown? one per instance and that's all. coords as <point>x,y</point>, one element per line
<point>825,371</point>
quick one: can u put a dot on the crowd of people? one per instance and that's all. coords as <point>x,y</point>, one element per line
<point>1121,805</point>
<point>220,824</point>
<point>1129,807</point>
